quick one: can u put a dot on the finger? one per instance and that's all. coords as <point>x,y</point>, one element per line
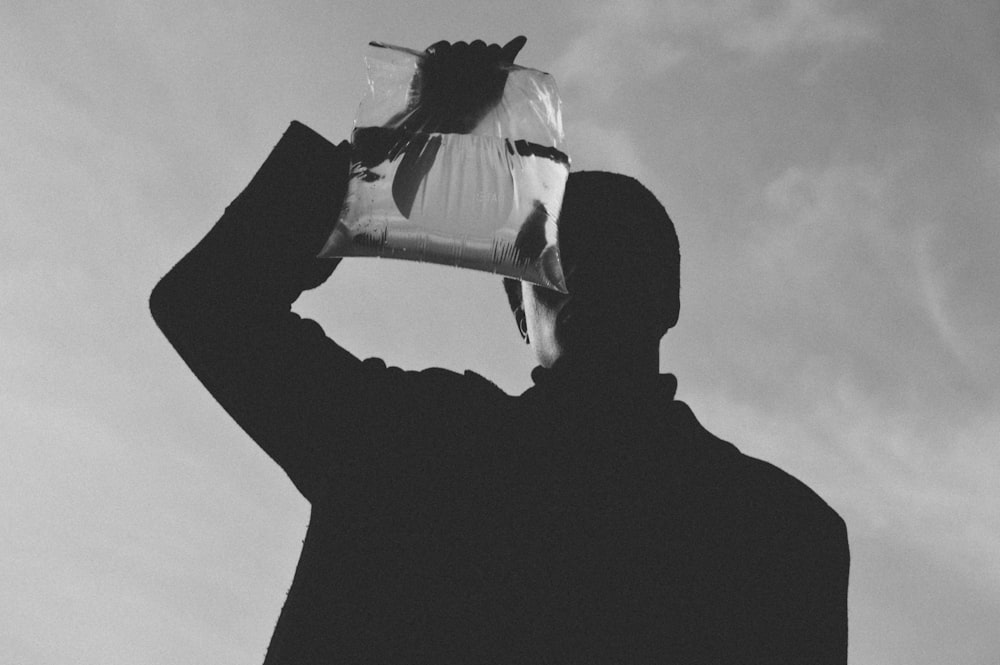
<point>512,48</point>
<point>478,44</point>
<point>436,47</point>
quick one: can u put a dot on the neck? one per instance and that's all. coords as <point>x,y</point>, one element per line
<point>633,366</point>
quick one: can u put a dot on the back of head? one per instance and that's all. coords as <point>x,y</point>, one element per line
<point>617,241</point>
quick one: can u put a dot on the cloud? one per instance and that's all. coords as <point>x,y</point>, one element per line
<point>861,381</point>
<point>847,275</point>
<point>906,484</point>
<point>886,471</point>
<point>907,607</point>
<point>844,343</point>
<point>816,210</point>
<point>618,46</point>
<point>865,384</point>
<point>917,493</point>
<point>635,40</point>
<point>935,295</point>
<point>598,147</point>
<point>763,28</point>
<point>795,25</point>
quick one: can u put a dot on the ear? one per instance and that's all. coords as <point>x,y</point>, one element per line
<point>673,312</point>
<point>522,324</point>
<point>513,289</point>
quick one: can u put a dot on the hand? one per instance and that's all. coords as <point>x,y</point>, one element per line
<point>292,203</point>
<point>456,85</point>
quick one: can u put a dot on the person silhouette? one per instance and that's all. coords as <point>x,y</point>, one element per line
<point>590,519</point>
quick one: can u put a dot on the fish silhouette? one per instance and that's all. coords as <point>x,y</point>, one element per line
<point>418,159</point>
<point>530,241</point>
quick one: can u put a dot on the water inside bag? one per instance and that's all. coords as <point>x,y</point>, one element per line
<point>464,200</point>
<point>487,199</point>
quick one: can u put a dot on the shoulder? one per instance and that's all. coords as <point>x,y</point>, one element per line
<point>432,383</point>
<point>467,380</point>
<point>794,510</point>
<point>782,524</point>
<point>766,496</point>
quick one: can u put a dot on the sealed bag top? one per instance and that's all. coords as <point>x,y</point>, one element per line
<point>456,165</point>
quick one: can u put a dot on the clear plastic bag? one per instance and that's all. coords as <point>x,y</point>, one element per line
<point>469,181</point>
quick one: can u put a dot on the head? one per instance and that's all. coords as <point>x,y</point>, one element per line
<point>621,259</point>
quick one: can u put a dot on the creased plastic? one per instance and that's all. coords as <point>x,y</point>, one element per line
<point>470,184</point>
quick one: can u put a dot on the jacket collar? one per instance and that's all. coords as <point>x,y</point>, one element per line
<point>590,385</point>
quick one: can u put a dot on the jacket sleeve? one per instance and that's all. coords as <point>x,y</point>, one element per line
<point>226,309</point>
<point>796,608</point>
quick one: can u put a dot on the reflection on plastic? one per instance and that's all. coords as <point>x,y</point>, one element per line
<point>486,199</point>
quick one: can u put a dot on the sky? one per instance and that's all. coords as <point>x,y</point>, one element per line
<point>833,171</point>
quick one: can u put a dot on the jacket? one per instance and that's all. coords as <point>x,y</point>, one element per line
<point>583,521</point>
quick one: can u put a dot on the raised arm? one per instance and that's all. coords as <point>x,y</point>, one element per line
<point>226,309</point>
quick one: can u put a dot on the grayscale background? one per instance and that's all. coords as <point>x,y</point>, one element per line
<point>833,169</point>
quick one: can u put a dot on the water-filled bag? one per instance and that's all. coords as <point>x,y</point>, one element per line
<point>460,173</point>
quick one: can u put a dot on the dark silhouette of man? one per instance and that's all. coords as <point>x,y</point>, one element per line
<point>591,519</point>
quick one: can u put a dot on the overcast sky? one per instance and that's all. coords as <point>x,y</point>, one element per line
<point>833,170</point>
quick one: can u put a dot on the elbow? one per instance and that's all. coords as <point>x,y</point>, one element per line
<point>157,302</point>
<point>164,305</point>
